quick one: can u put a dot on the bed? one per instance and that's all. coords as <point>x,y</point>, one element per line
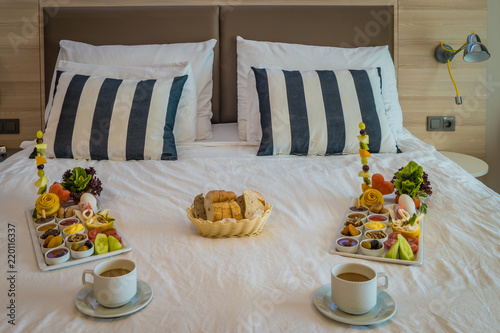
<point>264,283</point>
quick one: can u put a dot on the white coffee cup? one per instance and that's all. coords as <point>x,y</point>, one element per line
<point>352,296</point>
<point>115,291</point>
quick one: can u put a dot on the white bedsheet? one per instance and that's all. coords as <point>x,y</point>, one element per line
<point>264,283</point>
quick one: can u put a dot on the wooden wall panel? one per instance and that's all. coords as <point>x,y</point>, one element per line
<point>425,88</point>
<point>424,85</point>
<point>19,68</point>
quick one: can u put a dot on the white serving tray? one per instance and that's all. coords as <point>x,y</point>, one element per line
<point>71,262</point>
<point>419,256</point>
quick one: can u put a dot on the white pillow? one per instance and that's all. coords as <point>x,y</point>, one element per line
<point>307,57</point>
<point>186,117</point>
<point>199,55</point>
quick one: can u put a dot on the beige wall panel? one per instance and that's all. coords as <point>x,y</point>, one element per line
<point>20,96</point>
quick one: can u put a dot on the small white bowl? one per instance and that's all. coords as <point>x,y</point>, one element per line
<point>48,219</point>
<point>372,252</point>
<point>372,231</point>
<point>378,218</point>
<point>51,225</point>
<point>358,237</point>
<point>57,260</point>
<point>352,215</point>
<point>41,240</point>
<point>62,224</point>
<point>70,243</point>
<point>47,249</point>
<point>65,234</point>
<point>82,254</point>
<point>363,210</point>
<point>347,249</point>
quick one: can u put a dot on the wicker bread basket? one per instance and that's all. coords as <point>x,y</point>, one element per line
<point>231,228</point>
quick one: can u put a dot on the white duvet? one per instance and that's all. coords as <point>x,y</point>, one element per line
<point>264,283</point>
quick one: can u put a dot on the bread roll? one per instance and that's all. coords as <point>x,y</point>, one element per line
<point>254,201</point>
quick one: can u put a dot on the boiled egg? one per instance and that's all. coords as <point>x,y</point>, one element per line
<point>88,198</point>
<point>407,203</point>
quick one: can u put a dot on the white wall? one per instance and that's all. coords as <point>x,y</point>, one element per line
<point>493,100</point>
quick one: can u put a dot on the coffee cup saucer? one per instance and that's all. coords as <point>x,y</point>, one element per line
<point>384,309</point>
<point>87,304</point>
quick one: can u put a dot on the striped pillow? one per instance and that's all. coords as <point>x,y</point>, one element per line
<point>100,118</point>
<point>317,112</point>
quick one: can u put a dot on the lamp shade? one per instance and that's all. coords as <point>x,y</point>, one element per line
<point>475,50</point>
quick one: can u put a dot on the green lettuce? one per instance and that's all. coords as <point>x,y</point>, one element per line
<point>408,180</point>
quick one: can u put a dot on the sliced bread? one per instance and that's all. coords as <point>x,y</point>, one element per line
<point>199,207</point>
<point>254,201</point>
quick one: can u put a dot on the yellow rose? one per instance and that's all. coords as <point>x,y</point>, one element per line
<point>371,197</point>
<point>48,202</point>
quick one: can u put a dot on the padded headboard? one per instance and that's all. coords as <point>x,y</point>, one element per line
<point>347,26</point>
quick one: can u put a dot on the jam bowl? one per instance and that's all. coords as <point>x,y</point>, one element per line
<point>57,255</point>
<point>347,244</point>
<point>64,223</point>
<point>378,218</point>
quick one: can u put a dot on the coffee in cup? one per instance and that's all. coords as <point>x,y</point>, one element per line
<point>354,287</point>
<point>115,282</point>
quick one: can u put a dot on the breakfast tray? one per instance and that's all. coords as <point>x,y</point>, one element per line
<point>71,262</point>
<point>419,255</point>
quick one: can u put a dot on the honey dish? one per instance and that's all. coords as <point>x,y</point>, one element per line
<point>44,227</point>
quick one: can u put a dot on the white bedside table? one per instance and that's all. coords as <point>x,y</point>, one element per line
<point>471,164</point>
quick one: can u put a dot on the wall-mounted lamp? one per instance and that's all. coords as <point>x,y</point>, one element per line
<point>474,51</point>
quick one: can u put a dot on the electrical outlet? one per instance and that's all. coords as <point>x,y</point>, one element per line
<point>441,123</point>
<point>9,126</point>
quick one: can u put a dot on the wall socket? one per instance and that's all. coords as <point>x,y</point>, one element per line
<point>9,126</point>
<point>441,123</point>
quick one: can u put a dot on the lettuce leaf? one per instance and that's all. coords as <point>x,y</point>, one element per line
<point>409,179</point>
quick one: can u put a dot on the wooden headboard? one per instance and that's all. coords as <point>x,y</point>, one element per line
<point>346,26</point>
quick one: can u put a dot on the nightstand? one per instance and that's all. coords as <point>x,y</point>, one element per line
<point>471,164</point>
<point>10,151</point>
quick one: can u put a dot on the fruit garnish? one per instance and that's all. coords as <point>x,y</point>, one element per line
<point>49,202</point>
<point>371,197</point>
<point>379,183</point>
<point>364,153</point>
<point>38,154</point>
<point>57,189</point>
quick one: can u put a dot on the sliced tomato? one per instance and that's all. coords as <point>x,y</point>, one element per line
<point>414,247</point>
<point>93,234</point>
<point>394,235</point>
<point>110,232</point>
<point>390,242</point>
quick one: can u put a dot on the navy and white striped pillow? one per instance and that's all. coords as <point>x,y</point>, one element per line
<point>99,118</point>
<point>317,112</point>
